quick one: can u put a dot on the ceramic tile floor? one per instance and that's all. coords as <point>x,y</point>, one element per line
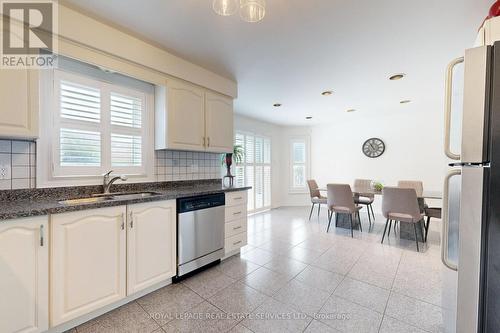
<point>294,277</point>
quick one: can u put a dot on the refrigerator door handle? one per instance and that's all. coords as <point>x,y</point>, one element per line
<point>445,222</point>
<point>447,111</point>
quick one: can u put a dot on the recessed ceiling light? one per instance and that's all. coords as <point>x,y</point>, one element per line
<point>309,117</point>
<point>406,101</point>
<point>276,105</point>
<point>396,77</point>
<point>351,110</point>
<point>327,93</point>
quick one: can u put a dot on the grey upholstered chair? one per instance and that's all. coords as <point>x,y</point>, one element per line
<point>340,201</point>
<point>316,197</point>
<point>417,185</point>
<point>366,200</point>
<point>401,205</point>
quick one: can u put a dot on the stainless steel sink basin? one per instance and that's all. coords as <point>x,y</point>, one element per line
<point>96,198</point>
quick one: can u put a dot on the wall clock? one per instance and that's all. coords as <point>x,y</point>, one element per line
<point>373,147</point>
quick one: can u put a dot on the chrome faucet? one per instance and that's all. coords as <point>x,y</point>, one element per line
<point>108,181</point>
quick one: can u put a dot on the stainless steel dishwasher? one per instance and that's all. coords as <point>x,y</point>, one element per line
<point>200,232</point>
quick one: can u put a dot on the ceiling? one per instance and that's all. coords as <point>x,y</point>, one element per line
<point>303,47</point>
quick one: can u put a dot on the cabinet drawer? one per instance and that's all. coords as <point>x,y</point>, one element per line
<point>236,212</point>
<point>236,227</point>
<point>236,198</point>
<point>235,242</point>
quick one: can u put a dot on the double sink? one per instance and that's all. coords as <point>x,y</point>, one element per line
<point>105,197</point>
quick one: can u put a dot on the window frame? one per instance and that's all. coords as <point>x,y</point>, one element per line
<point>50,172</point>
<point>263,164</point>
<point>306,164</point>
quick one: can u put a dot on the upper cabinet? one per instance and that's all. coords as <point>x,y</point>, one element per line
<point>192,118</point>
<point>219,123</point>
<point>19,109</point>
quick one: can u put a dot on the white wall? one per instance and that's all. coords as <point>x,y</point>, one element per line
<point>413,138</point>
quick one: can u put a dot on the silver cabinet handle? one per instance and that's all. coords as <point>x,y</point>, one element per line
<point>208,139</point>
<point>236,228</point>
<point>238,198</point>
<point>447,110</point>
<point>123,221</point>
<point>131,219</point>
<point>445,221</point>
<point>41,235</point>
<point>238,242</point>
<point>237,213</point>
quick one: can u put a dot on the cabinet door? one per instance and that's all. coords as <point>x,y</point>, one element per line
<point>151,249</point>
<point>88,255</point>
<point>19,110</point>
<point>24,273</point>
<point>219,123</point>
<point>186,117</point>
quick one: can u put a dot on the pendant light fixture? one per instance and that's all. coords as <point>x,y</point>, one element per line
<point>252,10</point>
<point>225,7</point>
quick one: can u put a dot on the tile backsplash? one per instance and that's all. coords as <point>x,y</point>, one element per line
<point>17,164</point>
<point>187,165</point>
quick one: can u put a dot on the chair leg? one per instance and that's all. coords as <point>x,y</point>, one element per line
<point>319,209</point>
<point>390,225</point>
<point>310,214</point>
<point>427,228</point>
<point>359,220</point>
<point>373,214</point>
<point>330,214</point>
<point>416,238</point>
<point>385,229</point>
<point>336,220</point>
<point>368,211</point>
<point>352,232</point>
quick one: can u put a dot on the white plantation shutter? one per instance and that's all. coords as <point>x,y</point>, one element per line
<point>255,169</point>
<point>79,102</point>
<point>100,126</point>
<point>126,111</point>
<point>298,157</point>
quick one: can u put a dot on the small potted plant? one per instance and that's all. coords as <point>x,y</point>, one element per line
<point>236,156</point>
<point>377,186</point>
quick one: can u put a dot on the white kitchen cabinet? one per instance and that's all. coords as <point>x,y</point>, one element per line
<point>191,118</point>
<point>19,110</point>
<point>180,117</point>
<point>151,244</point>
<point>219,123</point>
<point>24,273</point>
<point>236,222</point>
<point>88,261</point>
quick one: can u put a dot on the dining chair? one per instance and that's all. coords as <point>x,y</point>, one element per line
<point>366,200</point>
<point>401,205</point>
<point>316,197</point>
<point>431,212</point>
<point>340,201</point>
<point>417,185</point>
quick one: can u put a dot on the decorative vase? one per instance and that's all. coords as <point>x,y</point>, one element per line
<point>229,162</point>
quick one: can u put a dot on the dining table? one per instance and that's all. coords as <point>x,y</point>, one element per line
<point>406,230</point>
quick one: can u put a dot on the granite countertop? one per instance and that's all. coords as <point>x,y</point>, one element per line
<point>24,203</point>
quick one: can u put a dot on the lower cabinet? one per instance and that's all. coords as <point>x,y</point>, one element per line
<point>151,250</point>
<point>236,222</point>
<point>24,272</point>
<point>88,261</point>
<point>100,256</point>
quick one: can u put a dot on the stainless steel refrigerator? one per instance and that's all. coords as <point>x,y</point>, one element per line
<point>471,196</point>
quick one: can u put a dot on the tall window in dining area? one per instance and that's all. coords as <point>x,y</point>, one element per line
<point>255,169</point>
<point>298,156</point>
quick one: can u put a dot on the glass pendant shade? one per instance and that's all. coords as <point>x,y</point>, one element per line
<point>252,10</point>
<point>225,7</point>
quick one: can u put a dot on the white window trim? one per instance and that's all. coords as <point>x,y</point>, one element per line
<point>47,175</point>
<point>307,140</point>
